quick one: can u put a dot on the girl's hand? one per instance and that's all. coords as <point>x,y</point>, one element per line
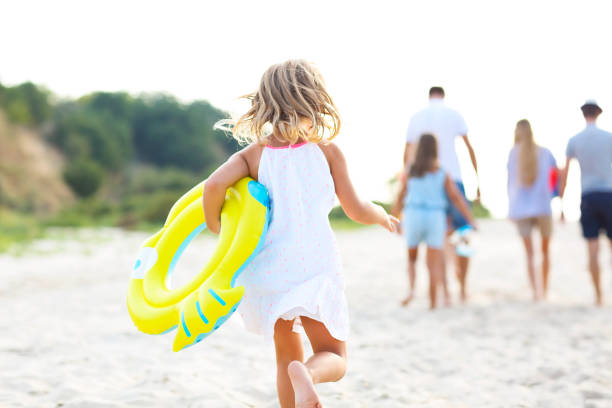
<point>216,185</point>
<point>472,222</point>
<point>391,223</point>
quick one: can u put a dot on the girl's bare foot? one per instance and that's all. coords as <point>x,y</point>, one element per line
<point>447,300</point>
<point>303,388</point>
<point>407,299</point>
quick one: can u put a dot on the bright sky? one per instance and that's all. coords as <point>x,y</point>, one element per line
<point>498,63</point>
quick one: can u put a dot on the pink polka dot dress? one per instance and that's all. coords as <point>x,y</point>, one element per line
<point>298,271</point>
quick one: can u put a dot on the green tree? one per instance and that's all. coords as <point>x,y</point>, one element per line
<point>118,105</point>
<point>84,177</point>
<point>166,135</point>
<point>204,116</point>
<point>26,104</point>
<point>86,133</point>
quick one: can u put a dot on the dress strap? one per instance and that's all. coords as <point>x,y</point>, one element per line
<point>287,146</point>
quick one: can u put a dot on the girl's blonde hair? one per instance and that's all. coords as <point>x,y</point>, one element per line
<point>528,152</point>
<point>293,103</point>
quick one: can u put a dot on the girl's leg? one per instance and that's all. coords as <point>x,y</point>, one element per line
<point>545,266</point>
<point>328,363</point>
<point>435,261</point>
<point>528,243</point>
<point>412,258</point>
<point>461,264</point>
<point>288,348</point>
<point>448,255</point>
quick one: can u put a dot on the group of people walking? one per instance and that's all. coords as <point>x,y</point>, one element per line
<point>297,279</point>
<point>433,205</point>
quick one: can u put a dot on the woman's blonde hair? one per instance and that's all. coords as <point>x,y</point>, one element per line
<point>293,103</point>
<point>528,152</point>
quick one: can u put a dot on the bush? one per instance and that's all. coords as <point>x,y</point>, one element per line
<point>16,228</point>
<point>168,133</point>
<point>143,180</point>
<point>97,136</point>
<point>480,211</point>
<point>337,213</point>
<point>84,177</point>
<point>68,218</point>
<point>86,212</point>
<point>26,104</point>
<point>158,206</point>
<point>150,208</point>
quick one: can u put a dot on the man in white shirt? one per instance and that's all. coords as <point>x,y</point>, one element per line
<point>446,124</point>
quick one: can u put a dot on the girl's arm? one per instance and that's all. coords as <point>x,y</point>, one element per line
<point>457,199</point>
<point>398,205</point>
<point>235,168</point>
<point>361,211</point>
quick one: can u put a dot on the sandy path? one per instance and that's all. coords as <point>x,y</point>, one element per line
<point>68,341</point>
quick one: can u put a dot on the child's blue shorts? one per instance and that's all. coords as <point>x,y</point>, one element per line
<point>424,225</point>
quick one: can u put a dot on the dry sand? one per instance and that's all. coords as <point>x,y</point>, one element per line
<point>67,339</point>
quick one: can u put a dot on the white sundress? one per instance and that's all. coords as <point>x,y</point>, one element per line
<point>298,271</point>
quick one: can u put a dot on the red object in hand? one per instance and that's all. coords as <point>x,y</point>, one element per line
<point>553,181</point>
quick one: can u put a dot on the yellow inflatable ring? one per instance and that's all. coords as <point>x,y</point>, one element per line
<point>201,306</point>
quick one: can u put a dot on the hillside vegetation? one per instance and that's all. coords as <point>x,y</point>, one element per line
<point>104,158</point>
<point>30,172</point>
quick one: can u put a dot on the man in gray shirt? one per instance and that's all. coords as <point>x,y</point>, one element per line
<point>593,149</point>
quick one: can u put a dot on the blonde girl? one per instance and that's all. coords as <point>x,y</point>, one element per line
<point>297,274</point>
<point>424,193</point>
<point>529,194</point>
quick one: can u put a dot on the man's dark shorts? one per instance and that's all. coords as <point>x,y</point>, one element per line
<point>457,220</point>
<point>596,214</point>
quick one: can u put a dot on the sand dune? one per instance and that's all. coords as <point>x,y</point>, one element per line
<point>68,340</point>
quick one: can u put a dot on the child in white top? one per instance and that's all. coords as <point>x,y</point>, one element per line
<point>297,274</point>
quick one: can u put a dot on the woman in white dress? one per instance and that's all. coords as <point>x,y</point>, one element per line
<point>297,274</point>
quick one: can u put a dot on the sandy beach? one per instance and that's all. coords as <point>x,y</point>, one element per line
<point>68,340</point>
